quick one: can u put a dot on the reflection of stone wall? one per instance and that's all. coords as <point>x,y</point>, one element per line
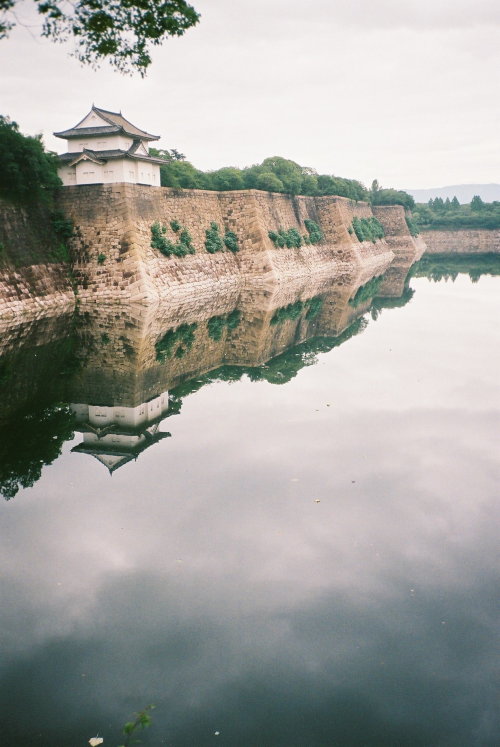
<point>481,241</point>
<point>114,222</point>
<point>407,249</point>
<point>337,314</point>
<point>119,363</point>
<point>31,354</point>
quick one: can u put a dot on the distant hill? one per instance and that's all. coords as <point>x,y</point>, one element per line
<point>463,192</point>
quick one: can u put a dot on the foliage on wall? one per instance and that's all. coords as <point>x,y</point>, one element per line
<point>294,310</point>
<point>217,324</point>
<point>214,242</point>
<point>368,229</point>
<point>412,225</point>
<point>176,342</point>
<point>166,246</point>
<point>292,239</point>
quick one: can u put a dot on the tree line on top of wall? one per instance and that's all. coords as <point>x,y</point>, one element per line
<point>450,215</point>
<point>29,175</point>
<point>274,174</point>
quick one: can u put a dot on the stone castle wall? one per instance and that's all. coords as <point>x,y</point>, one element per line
<point>114,258</point>
<point>407,249</point>
<point>480,241</point>
<point>32,283</point>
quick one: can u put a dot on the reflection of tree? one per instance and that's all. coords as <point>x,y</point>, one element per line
<point>366,291</point>
<point>278,370</point>
<point>33,439</point>
<point>439,267</point>
<point>391,303</point>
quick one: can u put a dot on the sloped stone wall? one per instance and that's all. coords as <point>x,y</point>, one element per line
<point>114,258</point>
<point>407,249</point>
<point>481,241</point>
<point>32,283</point>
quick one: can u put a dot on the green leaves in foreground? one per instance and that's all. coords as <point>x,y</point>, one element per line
<point>141,721</point>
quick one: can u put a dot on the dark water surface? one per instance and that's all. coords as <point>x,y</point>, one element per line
<point>310,558</point>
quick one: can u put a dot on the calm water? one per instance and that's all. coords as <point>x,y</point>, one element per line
<point>309,558</point>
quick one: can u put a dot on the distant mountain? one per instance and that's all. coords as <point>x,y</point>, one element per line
<point>463,192</point>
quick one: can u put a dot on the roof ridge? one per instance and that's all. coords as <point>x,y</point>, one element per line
<point>106,111</point>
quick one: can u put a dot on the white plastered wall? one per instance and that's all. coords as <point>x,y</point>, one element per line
<point>99,142</point>
<point>113,172</point>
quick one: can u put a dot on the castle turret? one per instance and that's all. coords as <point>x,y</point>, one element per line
<point>115,435</point>
<point>105,148</point>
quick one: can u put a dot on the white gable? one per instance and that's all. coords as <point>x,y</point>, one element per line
<point>142,150</point>
<point>92,120</point>
<point>109,461</point>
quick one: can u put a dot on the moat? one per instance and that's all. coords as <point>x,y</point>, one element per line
<point>271,512</point>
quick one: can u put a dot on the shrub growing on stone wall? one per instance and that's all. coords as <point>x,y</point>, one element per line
<point>412,225</point>
<point>217,324</point>
<point>214,242</point>
<point>169,248</point>
<point>314,231</point>
<point>294,310</point>
<point>176,342</point>
<point>368,229</point>
<point>292,239</point>
<point>213,239</point>
<point>314,307</point>
<point>231,241</point>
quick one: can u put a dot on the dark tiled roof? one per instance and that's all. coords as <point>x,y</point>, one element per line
<point>86,131</point>
<point>109,155</point>
<point>117,123</point>
<point>118,119</point>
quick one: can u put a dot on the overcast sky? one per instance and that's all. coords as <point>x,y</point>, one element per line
<point>404,92</point>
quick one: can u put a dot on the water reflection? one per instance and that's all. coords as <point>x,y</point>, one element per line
<point>114,366</point>
<point>308,564</point>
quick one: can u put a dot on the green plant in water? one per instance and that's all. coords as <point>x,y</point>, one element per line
<point>215,327</point>
<point>366,292</point>
<point>314,307</point>
<point>294,310</point>
<point>217,324</point>
<point>175,342</point>
<point>141,721</point>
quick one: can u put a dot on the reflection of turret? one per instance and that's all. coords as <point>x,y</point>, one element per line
<point>115,435</point>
